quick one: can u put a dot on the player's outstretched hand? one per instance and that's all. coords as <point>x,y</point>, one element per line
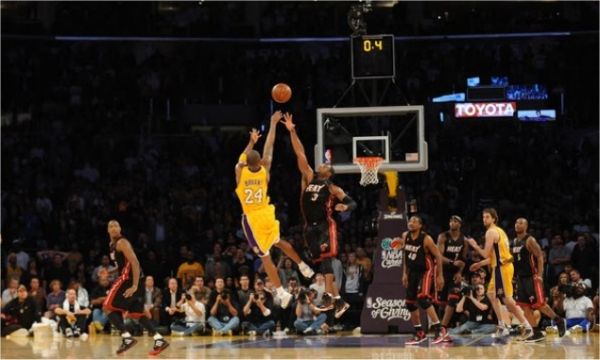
<point>276,117</point>
<point>254,135</point>
<point>288,122</point>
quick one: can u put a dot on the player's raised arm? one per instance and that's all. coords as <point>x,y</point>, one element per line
<point>267,157</point>
<point>254,136</point>
<point>303,166</point>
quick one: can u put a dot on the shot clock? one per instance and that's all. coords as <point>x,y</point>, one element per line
<point>373,57</point>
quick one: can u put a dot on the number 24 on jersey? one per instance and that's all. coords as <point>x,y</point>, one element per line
<point>253,197</point>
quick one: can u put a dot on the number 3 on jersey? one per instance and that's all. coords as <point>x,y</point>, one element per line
<point>253,197</point>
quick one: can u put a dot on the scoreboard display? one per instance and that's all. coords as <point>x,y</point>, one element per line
<point>373,57</point>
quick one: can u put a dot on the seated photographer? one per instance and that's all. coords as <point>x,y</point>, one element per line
<point>223,310</point>
<point>479,309</point>
<point>19,314</point>
<point>578,308</point>
<point>195,317</point>
<point>309,318</point>
<point>72,315</point>
<point>257,311</point>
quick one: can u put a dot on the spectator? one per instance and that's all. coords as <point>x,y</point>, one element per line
<point>576,279</point>
<point>319,287</point>
<point>353,289</point>
<point>189,269</point>
<point>152,300</point>
<point>364,261</point>
<point>199,290</point>
<point>55,298</point>
<point>20,313</point>
<point>57,271</point>
<point>558,257</point>
<point>72,315</point>
<point>170,298</point>
<point>241,264</point>
<point>105,268</point>
<point>258,311</point>
<point>479,311</point>
<point>223,310</point>
<point>83,298</point>
<point>33,271</point>
<point>13,271</point>
<point>37,293</point>
<point>309,318</point>
<point>195,317</point>
<point>578,309</point>
<point>588,265</point>
<point>286,270</point>
<point>22,256</point>
<point>11,291</point>
<point>243,293</point>
<point>98,295</point>
<point>338,271</point>
<point>218,268</point>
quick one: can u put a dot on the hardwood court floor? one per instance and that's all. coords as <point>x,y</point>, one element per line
<point>578,346</point>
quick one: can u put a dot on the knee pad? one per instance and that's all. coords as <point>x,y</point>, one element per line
<point>424,302</point>
<point>411,306</point>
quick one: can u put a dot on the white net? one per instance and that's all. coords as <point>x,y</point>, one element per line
<point>368,169</point>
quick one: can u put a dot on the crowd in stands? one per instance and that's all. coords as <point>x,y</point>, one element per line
<point>76,153</point>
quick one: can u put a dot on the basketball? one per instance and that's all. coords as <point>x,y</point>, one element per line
<point>281,93</point>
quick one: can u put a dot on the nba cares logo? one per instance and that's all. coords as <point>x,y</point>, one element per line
<point>390,244</point>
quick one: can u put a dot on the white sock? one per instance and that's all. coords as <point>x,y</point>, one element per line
<point>337,297</point>
<point>280,291</point>
<point>302,264</point>
<point>157,336</point>
<point>126,334</point>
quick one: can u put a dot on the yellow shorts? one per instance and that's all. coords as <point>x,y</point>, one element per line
<point>501,280</point>
<point>261,229</point>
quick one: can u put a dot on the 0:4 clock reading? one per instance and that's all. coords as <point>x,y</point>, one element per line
<point>369,45</point>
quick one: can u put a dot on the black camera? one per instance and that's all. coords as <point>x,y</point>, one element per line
<point>466,291</point>
<point>256,296</point>
<point>225,295</point>
<point>188,297</point>
<point>568,290</point>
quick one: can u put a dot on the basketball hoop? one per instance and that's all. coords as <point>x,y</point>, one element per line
<point>368,168</point>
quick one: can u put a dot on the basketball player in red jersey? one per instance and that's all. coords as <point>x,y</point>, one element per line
<point>421,267</point>
<point>126,295</point>
<point>319,194</point>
